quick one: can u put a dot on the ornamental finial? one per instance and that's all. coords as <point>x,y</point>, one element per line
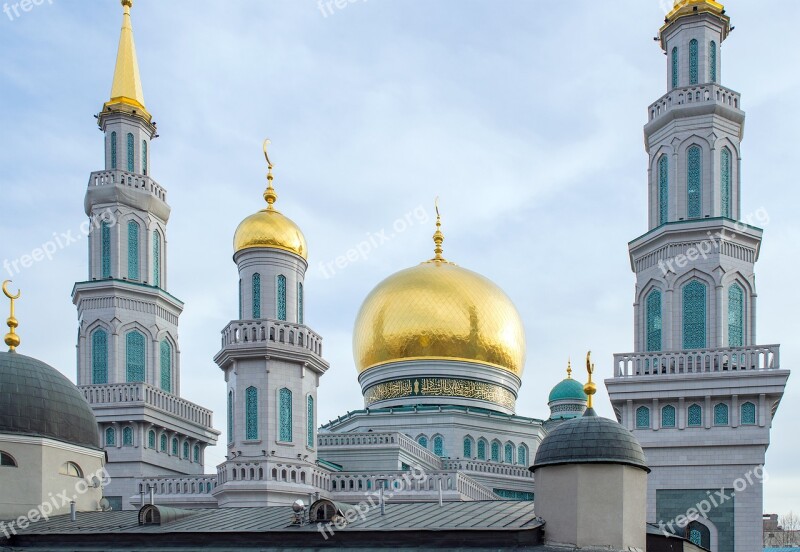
<point>590,388</point>
<point>270,196</point>
<point>12,339</point>
<point>438,237</point>
<point>569,368</point>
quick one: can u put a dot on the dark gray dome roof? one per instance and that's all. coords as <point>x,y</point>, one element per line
<point>38,401</point>
<point>590,439</point>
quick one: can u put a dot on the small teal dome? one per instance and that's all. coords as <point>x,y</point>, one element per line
<point>566,390</point>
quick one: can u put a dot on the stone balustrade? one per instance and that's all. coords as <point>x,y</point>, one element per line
<point>692,95</point>
<point>349,485</point>
<point>127,179</point>
<point>380,440</point>
<point>487,468</point>
<point>248,332</point>
<point>177,485</point>
<point>701,361</point>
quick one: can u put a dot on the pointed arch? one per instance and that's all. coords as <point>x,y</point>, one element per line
<point>725,173</point>
<point>251,413</point>
<point>721,414</point>
<point>111,437</point>
<point>133,249</point>
<point>230,416</point>
<point>280,296</point>
<point>482,445</point>
<point>695,415</point>
<point>256,289</point>
<point>694,295</point>
<point>422,441</point>
<point>131,146</point>
<point>694,182</point>
<point>663,189</point>
<point>165,365</point>
<point>438,445</point>
<point>105,249</point>
<point>522,455</point>
<point>668,416</point>
<point>285,414</point>
<point>694,61</point>
<point>468,447</point>
<point>508,453</point>
<point>99,356</point>
<point>156,258</point>
<point>495,451</point>
<point>310,421</point>
<point>300,303</point>
<point>675,67</point>
<point>144,157</point>
<point>114,150</point>
<point>712,61</point>
<point>735,316</point>
<point>654,320</point>
<point>748,413</point>
<point>135,356</point>
<point>642,417</point>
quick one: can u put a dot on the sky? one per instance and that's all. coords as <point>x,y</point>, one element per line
<point>524,117</point>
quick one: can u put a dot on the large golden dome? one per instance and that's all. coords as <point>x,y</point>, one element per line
<point>438,310</point>
<point>269,228</point>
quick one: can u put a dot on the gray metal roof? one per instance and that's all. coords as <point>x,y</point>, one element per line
<point>38,401</point>
<point>590,439</point>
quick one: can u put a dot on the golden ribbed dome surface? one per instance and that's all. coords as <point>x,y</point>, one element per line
<point>270,229</point>
<point>438,310</point>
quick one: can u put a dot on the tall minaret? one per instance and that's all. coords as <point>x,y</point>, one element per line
<point>698,392</point>
<point>272,363</point>
<point>128,353</point>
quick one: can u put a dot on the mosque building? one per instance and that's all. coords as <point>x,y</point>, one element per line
<point>440,355</point>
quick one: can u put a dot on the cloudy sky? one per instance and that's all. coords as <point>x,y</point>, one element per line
<point>524,116</point>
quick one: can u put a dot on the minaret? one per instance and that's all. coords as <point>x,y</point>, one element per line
<point>698,392</point>
<point>128,353</point>
<point>272,363</point>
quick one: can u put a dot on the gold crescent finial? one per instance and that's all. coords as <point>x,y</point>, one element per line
<point>590,388</point>
<point>11,339</point>
<point>438,237</point>
<point>270,196</point>
<point>569,368</point>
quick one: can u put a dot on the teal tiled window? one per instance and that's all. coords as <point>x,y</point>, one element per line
<point>694,54</point>
<point>694,182</point>
<point>251,413</point>
<point>285,417</point>
<point>481,449</point>
<point>675,67</point>
<point>735,316</point>
<point>157,258</point>
<point>113,150</point>
<point>174,446</point>
<point>105,249</point>
<point>694,315</point>
<point>654,321</point>
<point>668,416</point>
<point>508,494</point>
<point>256,296</point>
<point>111,437</point>
<point>197,453</point>
<point>438,446</point>
<point>134,356</point>
<point>748,413</point>
<point>663,189</point>
<point>495,451</point>
<point>508,453</point>
<point>230,417</point>
<point>166,366</point>
<point>99,357</point>
<point>642,417</point>
<point>712,62</point>
<point>310,421</point>
<point>144,157</point>
<point>151,439</point>
<point>281,296</point>
<point>725,181</point>
<point>522,455</point>
<point>696,537</point>
<point>133,250</point>
<point>422,441</point>
<point>130,152</point>
<point>467,447</point>
<point>695,415</point>
<point>127,437</point>
<point>186,450</point>
<point>300,303</point>
<point>163,443</point>
<point>721,414</point>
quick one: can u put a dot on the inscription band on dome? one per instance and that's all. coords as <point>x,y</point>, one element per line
<point>440,387</point>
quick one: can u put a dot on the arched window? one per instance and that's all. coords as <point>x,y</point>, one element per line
<point>694,315</point>
<point>668,416</point>
<point>695,415</point>
<point>508,453</point>
<point>163,442</point>
<point>654,321</point>
<point>694,182</point>
<point>642,417</point>
<point>186,450</point>
<point>310,421</point>
<point>256,296</point>
<point>197,453</point>
<point>7,461</point>
<point>133,250</point>
<point>735,316</point>
<point>725,181</point>
<point>134,356</point>
<point>251,413</point>
<point>281,296</point>
<point>127,437</point>
<point>111,437</point>
<point>174,446</point>
<point>522,455</point>
<point>157,258</point>
<point>300,303</point>
<point>71,469</point>
<point>467,447</point>
<point>285,417</point>
<point>130,152</point>
<point>712,62</point>
<point>694,73</point>
<point>695,537</point>
<point>481,449</point>
<point>495,451</point>
<point>105,249</point>
<point>675,67</point>
<point>438,446</point>
<point>99,357</point>
<point>230,416</point>
<point>721,414</point>
<point>663,189</point>
<point>698,534</point>
<point>166,366</point>
<point>748,413</point>
<point>144,157</point>
<point>113,150</point>
<point>151,439</point>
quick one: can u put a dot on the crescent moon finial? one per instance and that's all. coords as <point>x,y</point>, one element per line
<point>270,195</point>
<point>11,339</point>
<point>267,142</point>
<point>590,388</point>
<point>8,293</point>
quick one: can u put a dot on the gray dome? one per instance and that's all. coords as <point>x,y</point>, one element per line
<point>590,439</point>
<point>38,401</point>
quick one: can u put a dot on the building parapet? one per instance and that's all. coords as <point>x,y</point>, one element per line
<point>692,95</point>
<point>486,467</point>
<point>700,361</point>
<point>127,179</point>
<point>379,440</point>
<point>249,332</point>
<point>410,485</point>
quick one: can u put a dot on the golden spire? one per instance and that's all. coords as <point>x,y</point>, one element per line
<point>569,368</point>
<point>126,90</point>
<point>12,339</point>
<point>590,388</point>
<point>270,196</point>
<point>438,237</point>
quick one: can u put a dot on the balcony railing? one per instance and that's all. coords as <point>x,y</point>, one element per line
<point>693,95</point>
<point>486,467</point>
<point>129,180</point>
<point>411,483</point>
<point>378,440</point>
<point>144,394</point>
<point>246,332</point>
<point>178,485</point>
<point>701,361</point>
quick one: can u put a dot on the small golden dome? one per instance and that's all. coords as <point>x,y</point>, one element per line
<point>270,229</point>
<point>438,310</point>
